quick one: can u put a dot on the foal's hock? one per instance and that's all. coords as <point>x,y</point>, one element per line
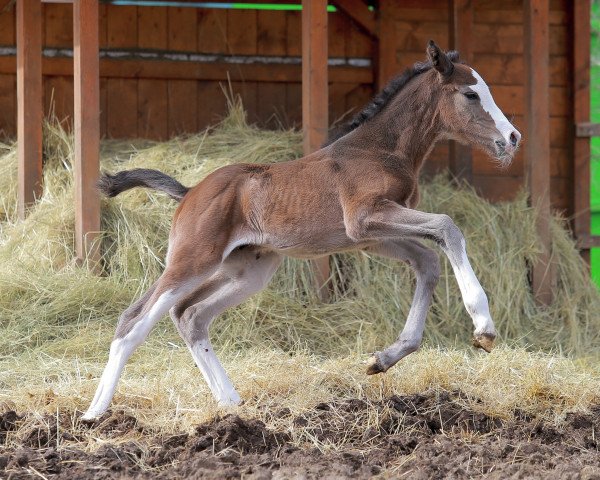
<point>359,191</point>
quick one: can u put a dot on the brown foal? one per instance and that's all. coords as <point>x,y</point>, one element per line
<point>231,230</point>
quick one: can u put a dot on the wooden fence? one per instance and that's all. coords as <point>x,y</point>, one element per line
<point>143,97</point>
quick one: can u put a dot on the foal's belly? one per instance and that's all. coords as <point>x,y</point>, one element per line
<point>308,245</point>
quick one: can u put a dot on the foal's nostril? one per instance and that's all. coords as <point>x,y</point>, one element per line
<point>513,139</point>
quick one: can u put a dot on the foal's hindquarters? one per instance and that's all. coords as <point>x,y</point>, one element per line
<point>197,285</point>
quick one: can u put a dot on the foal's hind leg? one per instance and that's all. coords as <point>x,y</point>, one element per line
<point>426,266</point>
<point>244,273</point>
<point>135,325</point>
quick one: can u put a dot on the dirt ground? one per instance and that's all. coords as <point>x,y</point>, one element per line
<point>417,437</point>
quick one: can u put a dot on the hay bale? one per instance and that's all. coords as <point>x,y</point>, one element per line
<point>46,300</point>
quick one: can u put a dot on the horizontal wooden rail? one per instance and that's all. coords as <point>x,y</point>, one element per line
<point>172,70</point>
<point>587,242</point>
<point>587,129</point>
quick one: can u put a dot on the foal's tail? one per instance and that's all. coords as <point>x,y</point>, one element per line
<point>112,185</point>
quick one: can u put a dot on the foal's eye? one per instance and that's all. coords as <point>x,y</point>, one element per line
<point>471,95</point>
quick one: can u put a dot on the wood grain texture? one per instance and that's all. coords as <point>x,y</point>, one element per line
<point>271,98</point>
<point>182,107</point>
<point>7,24</point>
<point>29,103</point>
<point>121,26</point>
<point>337,26</point>
<point>58,25</point>
<point>271,32</point>
<point>152,28</point>
<point>182,29</point>
<point>241,32</point>
<point>293,29</point>
<point>8,106</point>
<point>87,129</point>
<point>212,31</point>
<point>121,108</point>
<point>315,101</point>
<point>581,113</point>
<point>212,105</point>
<point>460,161</point>
<point>152,69</point>
<point>152,109</point>
<point>357,10</point>
<point>498,38</point>
<point>537,146</point>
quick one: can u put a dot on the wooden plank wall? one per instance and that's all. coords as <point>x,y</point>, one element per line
<point>145,106</point>
<point>498,56</point>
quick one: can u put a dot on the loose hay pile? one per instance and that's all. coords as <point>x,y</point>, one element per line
<point>46,296</point>
<point>283,348</point>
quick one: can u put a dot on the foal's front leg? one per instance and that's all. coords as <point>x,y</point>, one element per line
<point>426,266</point>
<point>389,221</point>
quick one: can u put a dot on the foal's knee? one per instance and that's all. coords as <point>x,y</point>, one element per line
<point>452,236</point>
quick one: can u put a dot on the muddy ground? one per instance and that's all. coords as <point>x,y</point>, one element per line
<point>416,437</point>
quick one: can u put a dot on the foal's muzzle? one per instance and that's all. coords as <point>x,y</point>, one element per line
<point>507,147</point>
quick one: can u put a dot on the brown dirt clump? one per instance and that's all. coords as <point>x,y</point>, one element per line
<point>415,436</point>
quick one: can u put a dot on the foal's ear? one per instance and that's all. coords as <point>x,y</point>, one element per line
<point>439,59</point>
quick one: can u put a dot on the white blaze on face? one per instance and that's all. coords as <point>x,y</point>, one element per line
<point>487,102</point>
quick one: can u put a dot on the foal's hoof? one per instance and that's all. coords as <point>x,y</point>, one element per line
<point>374,365</point>
<point>484,341</point>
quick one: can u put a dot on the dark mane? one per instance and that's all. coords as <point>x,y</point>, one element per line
<point>384,97</point>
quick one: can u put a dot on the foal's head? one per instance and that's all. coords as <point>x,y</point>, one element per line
<point>468,111</point>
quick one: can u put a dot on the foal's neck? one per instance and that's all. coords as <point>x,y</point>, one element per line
<point>405,131</point>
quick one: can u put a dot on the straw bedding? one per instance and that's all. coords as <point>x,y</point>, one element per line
<point>57,318</point>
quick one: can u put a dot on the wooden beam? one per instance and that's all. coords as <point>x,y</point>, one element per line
<point>587,129</point>
<point>386,61</point>
<point>315,104</point>
<point>590,241</point>
<point>461,39</point>
<point>315,100</point>
<point>537,146</point>
<point>87,128</point>
<point>358,11</point>
<point>180,70</point>
<point>29,103</point>
<point>581,11</point>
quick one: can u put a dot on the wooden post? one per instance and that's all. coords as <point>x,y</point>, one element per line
<point>537,146</point>
<point>386,63</point>
<point>315,99</point>
<point>581,113</point>
<point>461,39</point>
<point>87,128</point>
<point>29,103</point>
